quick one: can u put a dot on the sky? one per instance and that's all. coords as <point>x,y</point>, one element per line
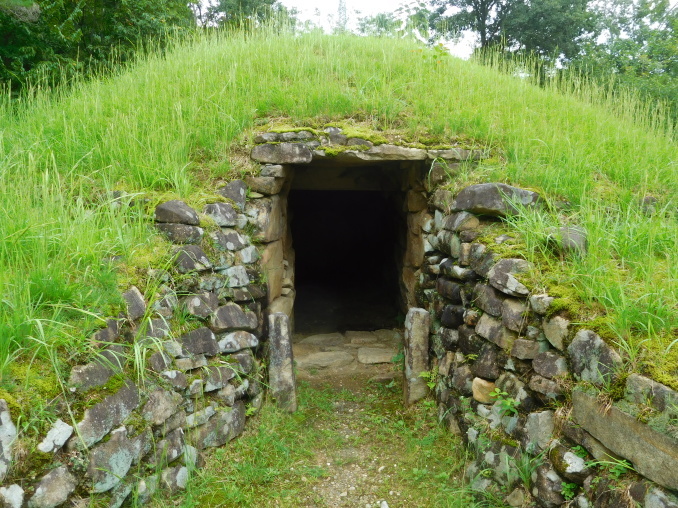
<point>322,13</point>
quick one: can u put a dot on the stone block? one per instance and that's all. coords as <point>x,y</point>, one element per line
<point>216,377</point>
<point>469,342</point>
<point>231,317</point>
<point>181,233</point>
<point>546,387</point>
<point>12,496</point>
<point>266,185</point>
<point>514,315</point>
<point>556,331</point>
<point>56,437</point>
<point>568,465</point>
<point>53,489</point>
<point>481,259</point>
<point>191,258</point>
<point>481,390</point>
<point>462,380</point>
<point>236,191</point>
<point>223,214</point>
<point>282,381</point>
<point>461,221</point>
<point>267,217</point>
<point>160,406</point>
<point>502,276</point>
<point>592,359</point>
<point>110,462</point>
<point>539,429</point>
<point>272,262</point>
<point>488,299</point>
<point>237,276</point>
<point>220,429</point>
<point>98,372</point>
<point>643,390</point>
<point>174,479</point>
<point>136,305</point>
<point>199,341</point>
<point>176,211</point>
<point>201,305</point>
<point>191,363</point>
<point>525,349</point>
<point>653,454</point>
<point>237,341</point>
<point>442,200</point>
<point>487,365</point>
<point>493,330</point>
<point>550,365</point>
<point>417,328</point>
<point>547,487</point>
<point>454,271</point>
<point>227,239</point>
<point>496,199</point>
<point>452,316</point>
<point>275,170</point>
<point>282,153</point>
<point>541,303</point>
<point>104,416</point>
<point>449,290</point>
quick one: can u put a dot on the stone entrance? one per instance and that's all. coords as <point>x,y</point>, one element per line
<point>344,223</point>
<point>346,271</point>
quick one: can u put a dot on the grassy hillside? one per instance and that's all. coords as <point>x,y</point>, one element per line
<point>170,125</point>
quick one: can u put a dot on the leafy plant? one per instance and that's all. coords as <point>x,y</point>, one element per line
<point>568,490</point>
<point>525,465</point>
<point>614,467</point>
<point>431,377</point>
<point>507,405</point>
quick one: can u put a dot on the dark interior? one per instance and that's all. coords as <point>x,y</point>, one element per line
<point>346,274</point>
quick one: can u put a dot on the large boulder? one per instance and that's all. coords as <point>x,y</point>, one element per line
<point>495,199</point>
<point>282,153</point>
<point>653,454</point>
<point>178,212</point>
<point>502,276</point>
<point>592,359</point>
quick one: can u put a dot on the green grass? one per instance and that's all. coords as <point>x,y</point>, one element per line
<point>281,457</point>
<point>173,123</point>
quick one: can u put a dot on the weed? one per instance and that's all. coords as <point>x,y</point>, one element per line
<point>507,405</point>
<point>568,490</point>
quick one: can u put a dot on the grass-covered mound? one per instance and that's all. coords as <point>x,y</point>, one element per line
<point>174,123</point>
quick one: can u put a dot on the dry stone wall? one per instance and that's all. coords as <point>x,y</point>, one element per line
<point>514,376</point>
<point>529,390</point>
<point>174,376</point>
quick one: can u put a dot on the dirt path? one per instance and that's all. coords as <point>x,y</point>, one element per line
<point>350,444</point>
<point>351,361</point>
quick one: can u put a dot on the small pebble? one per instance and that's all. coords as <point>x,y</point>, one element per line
<point>381,469</point>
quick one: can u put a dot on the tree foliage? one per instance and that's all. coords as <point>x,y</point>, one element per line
<point>233,12</point>
<point>639,50</point>
<point>545,27</point>
<point>54,39</point>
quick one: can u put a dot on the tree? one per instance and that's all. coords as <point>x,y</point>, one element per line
<point>53,39</point>
<point>639,50</point>
<point>545,27</point>
<point>379,25</point>
<point>231,12</point>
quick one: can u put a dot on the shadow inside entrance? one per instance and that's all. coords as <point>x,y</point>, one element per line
<point>345,246</point>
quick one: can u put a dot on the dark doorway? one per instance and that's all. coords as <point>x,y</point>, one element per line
<point>346,249</point>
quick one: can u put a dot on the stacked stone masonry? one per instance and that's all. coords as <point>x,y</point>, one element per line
<point>199,337</point>
<point>516,378</point>
<point>521,383</point>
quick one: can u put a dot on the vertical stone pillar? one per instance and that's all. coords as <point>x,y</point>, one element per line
<point>417,325</point>
<point>281,379</point>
